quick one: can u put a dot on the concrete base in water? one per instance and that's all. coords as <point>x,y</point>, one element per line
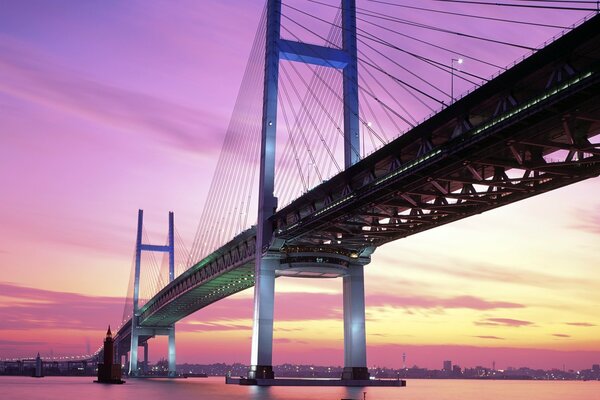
<point>111,381</point>
<point>314,382</point>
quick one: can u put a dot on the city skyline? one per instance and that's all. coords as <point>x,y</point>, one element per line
<point>89,137</point>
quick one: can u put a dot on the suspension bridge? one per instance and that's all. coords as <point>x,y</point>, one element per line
<point>325,199</point>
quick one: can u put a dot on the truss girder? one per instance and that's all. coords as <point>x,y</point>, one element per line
<point>536,140</point>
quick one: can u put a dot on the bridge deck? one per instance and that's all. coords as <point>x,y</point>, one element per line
<point>490,148</point>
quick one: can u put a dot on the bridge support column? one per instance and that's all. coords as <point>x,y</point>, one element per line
<point>133,352</point>
<point>355,343</point>
<point>145,369</point>
<point>262,335</point>
<point>172,365</point>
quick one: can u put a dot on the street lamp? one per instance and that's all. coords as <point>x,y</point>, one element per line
<point>310,164</point>
<point>458,61</point>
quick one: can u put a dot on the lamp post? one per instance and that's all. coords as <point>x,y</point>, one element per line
<point>458,61</point>
<point>310,164</point>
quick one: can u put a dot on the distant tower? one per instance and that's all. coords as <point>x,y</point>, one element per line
<point>403,360</point>
<point>493,365</point>
<point>109,372</point>
<point>447,365</point>
<point>38,367</point>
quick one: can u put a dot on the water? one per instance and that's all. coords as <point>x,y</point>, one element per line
<point>51,388</point>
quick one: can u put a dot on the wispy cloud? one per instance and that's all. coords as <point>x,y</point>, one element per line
<point>516,323</point>
<point>32,76</point>
<point>489,337</point>
<point>199,326</point>
<point>288,341</point>
<point>429,302</point>
<point>31,308</point>
<point>561,335</point>
<point>587,220</point>
<point>582,324</point>
<point>12,343</point>
<point>468,270</point>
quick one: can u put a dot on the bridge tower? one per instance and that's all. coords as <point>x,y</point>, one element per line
<point>267,247</point>
<point>137,330</point>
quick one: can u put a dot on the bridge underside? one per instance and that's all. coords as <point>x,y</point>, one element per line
<point>523,156</point>
<point>226,271</point>
<point>528,131</point>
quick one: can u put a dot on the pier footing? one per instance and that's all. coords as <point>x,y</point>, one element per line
<point>111,381</point>
<point>314,382</point>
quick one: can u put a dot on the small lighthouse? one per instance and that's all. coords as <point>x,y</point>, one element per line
<point>109,372</point>
<point>38,367</point>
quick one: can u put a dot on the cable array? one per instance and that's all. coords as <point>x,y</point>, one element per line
<point>410,58</point>
<point>227,210</point>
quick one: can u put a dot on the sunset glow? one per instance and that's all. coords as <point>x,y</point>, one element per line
<point>111,107</point>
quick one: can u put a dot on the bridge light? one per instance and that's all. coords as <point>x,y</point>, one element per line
<point>460,60</point>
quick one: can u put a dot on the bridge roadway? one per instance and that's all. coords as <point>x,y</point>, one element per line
<point>528,131</point>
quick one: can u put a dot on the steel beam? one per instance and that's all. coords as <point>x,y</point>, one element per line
<point>312,54</point>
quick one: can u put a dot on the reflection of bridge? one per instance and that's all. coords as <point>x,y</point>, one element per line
<point>528,131</point>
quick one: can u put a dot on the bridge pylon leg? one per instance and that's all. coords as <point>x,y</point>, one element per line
<point>133,353</point>
<point>262,335</point>
<point>145,362</point>
<point>172,365</point>
<point>355,343</point>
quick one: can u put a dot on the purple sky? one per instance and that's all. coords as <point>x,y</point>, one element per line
<point>108,107</point>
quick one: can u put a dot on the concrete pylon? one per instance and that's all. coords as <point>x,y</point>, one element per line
<point>355,343</point>
<point>266,259</point>
<point>135,326</point>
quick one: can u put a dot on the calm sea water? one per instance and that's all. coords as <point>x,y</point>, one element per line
<point>70,388</point>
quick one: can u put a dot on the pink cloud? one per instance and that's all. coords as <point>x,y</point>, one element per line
<point>30,308</point>
<point>504,322</point>
<point>10,343</point>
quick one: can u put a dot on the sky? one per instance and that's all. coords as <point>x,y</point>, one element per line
<point>109,107</point>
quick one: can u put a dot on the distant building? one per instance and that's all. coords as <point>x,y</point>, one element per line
<point>596,368</point>
<point>447,366</point>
